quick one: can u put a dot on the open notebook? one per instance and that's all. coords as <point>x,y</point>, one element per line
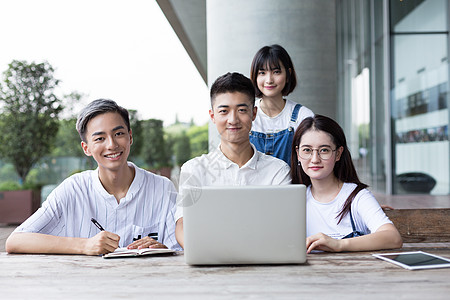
<point>124,252</point>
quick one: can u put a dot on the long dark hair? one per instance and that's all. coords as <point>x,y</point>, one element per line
<point>271,56</point>
<point>344,170</point>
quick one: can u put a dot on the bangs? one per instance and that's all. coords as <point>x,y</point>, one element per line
<point>270,58</point>
<point>268,61</point>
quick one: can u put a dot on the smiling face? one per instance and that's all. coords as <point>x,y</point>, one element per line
<point>233,114</point>
<point>316,167</point>
<point>271,81</point>
<point>108,141</point>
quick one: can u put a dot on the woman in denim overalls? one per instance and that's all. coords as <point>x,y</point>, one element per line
<point>341,213</point>
<point>273,76</point>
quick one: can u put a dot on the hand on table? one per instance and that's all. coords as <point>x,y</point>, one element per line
<point>146,242</point>
<point>102,243</point>
<point>322,242</point>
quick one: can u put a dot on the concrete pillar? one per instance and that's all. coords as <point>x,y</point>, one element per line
<point>237,29</point>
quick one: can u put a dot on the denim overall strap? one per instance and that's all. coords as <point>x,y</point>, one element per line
<point>351,220</point>
<point>294,115</point>
<point>354,232</point>
<point>277,144</point>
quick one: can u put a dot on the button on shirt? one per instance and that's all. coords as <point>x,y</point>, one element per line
<point>215,169</point>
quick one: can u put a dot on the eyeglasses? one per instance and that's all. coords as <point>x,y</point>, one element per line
<point>323,152</point>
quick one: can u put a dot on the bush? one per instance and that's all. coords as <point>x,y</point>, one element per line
<point>10,186</point>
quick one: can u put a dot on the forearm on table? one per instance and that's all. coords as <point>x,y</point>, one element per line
<point>386,237</point>
<point>27,242</point>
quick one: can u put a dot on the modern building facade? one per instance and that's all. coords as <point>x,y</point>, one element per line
<point>393,91</point>
<point>379,67</point>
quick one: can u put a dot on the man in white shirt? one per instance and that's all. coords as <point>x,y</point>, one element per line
<point>236,161</point>
<point>130,206</point>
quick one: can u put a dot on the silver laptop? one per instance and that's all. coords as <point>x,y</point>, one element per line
<point>245,225</point>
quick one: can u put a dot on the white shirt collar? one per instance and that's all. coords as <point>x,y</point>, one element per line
<point>227,163</point>
<point>134,187</point>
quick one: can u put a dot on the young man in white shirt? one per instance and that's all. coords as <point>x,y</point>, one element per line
<point>236,161</point>
<point>134,207</point>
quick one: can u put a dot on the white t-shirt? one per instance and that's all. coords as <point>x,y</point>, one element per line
<point>265,124</point>
<point>215,169</point>
<point>321,217</point>
<point>148,207</point>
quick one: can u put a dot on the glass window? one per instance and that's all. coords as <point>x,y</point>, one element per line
<point>418,15</point>
<point>419,98</point>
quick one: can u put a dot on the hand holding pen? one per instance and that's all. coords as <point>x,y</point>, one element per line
<point>103,242</point>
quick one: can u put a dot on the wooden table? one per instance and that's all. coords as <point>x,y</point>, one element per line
<point>324,276</point>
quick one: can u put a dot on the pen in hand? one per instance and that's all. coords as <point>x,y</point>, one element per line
<point>97,224</point>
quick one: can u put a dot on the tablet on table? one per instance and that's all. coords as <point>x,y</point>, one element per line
<point>415,260</point>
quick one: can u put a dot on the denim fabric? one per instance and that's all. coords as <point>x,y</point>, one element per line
<point>354,232</point>
<point>277,144</point>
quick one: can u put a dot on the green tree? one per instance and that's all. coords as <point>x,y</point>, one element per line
<point>67,142</point>
<point>8,173</point>
<point>136,128</point>
<point>154,151</point>
<point>179,145</point>
<point>29,120</point>
<point>182,149</point>
<point>198,136</point>
<point>71,101</point>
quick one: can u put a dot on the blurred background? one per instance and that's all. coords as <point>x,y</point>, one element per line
<point>74,52</point>
<point>379,67</point>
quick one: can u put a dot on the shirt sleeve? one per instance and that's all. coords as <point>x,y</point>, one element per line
<point>181,192</point>
<point>305,112</point>
<point>367,212</point>
<point>178,209</point>
<point>169,235</point>
<point>283,175</point>
<point>47,219</point>
<point>189,178</point>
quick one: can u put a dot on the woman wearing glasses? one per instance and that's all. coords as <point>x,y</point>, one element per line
<point>342,215</point>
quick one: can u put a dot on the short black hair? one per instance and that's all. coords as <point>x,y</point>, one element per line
<point>98,107</point>
<point>231,83</point>
<point>271,57</point>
